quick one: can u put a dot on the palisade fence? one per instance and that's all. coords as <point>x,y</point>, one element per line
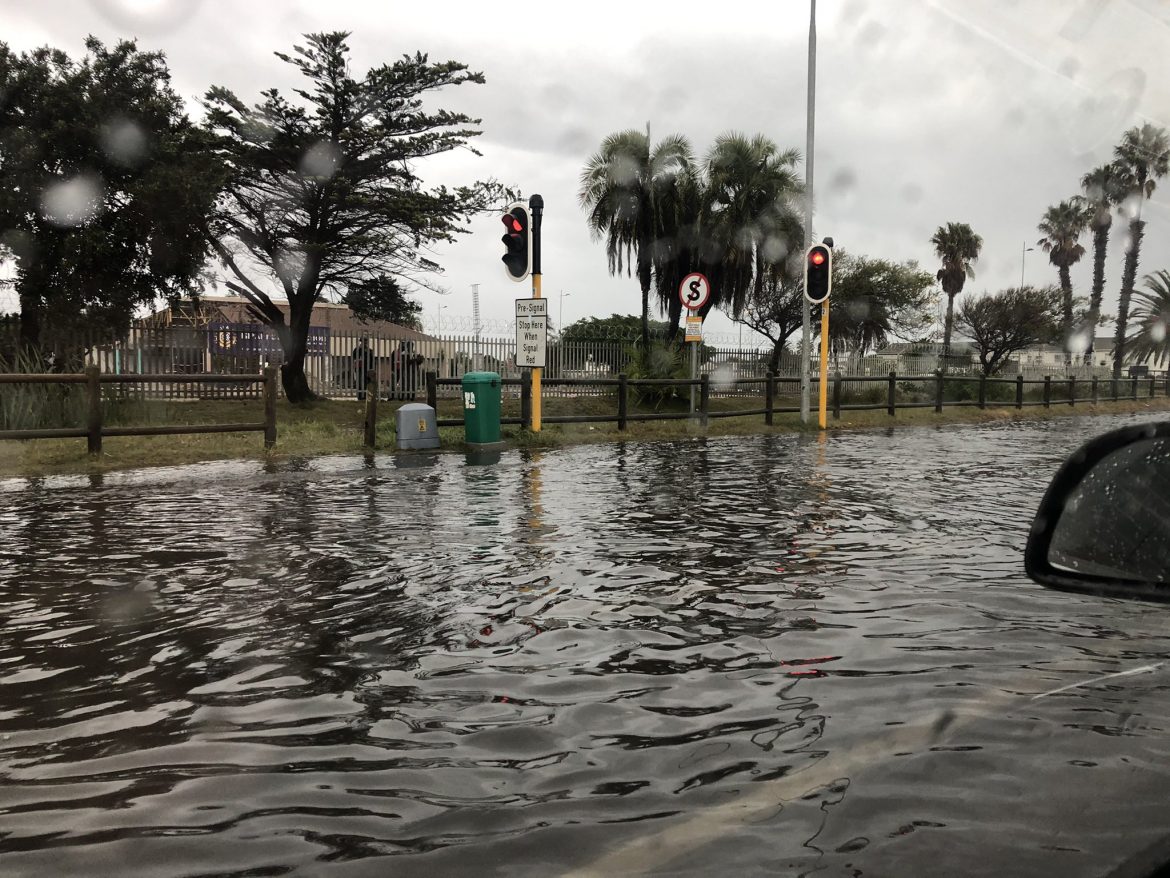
<point>335,363</point>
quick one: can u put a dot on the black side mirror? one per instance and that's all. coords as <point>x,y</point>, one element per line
<point>1103,526</point>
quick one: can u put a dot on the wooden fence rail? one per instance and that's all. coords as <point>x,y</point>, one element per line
<point>934,384</point>
<point>94,430</point>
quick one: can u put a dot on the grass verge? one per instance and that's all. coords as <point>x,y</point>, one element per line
<point>335,426</point>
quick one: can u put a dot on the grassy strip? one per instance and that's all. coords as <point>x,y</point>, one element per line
<point>335,426</point>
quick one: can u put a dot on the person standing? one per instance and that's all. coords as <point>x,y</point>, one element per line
<point>363,366</point>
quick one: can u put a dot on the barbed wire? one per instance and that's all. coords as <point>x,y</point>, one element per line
<point>505,330</point>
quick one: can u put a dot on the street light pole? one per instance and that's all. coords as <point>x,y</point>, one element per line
<point>810,126</point>
<point>1024,248</point>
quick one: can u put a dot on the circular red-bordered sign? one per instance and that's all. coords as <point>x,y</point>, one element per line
<point>694,291</point>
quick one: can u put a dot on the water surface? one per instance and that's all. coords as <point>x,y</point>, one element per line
<point>760,656</point>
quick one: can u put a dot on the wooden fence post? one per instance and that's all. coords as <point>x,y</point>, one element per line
<point>93,385</point>
<point>891,390</point>
<point>623,400</point>
<point>982,391</point>
<point>432,379</point>
<point>1047,391</point>
<point>1019,391</point>
<point>1093,388</point>
<point>938,391</point>
<point>1072,390</point>
<point>704,397</point>
<point>371,417</point>
<point>269,406</point>
<point>526,399</point>
<point>837,395</point>
<point>770,397</point>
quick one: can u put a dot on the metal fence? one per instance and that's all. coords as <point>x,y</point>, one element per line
<point>339,364</point>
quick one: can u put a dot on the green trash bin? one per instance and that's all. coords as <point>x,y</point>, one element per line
<point>481,409</point>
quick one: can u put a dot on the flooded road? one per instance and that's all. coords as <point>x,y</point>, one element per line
<point>767,655</point>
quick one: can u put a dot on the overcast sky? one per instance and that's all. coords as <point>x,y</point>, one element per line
<point>927,112</point>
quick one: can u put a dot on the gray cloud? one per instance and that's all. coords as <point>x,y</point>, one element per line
<point>939,111</point>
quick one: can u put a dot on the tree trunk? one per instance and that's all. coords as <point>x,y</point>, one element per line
<point>674,313</point>
<point>1066,309</point>
<point>30,323</point>
<point>949,326</point>
<point>1129,275</point>
<point>644,280</point>
<point>295,343</point>
<point>774,361</point>
<point>1100,246</point>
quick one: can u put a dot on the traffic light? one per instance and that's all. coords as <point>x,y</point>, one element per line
<point>517,240</point>
<point>818,273</point>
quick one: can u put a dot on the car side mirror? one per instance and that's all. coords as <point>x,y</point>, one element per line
<point>1103,526</point>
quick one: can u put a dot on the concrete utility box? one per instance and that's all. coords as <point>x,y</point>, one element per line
<point>416,426</point>
<point>481,409</point>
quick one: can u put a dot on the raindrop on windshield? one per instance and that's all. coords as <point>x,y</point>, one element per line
<point>123,142</point>
<point>322,160</point>
<point>1078,342</point>
<point>151,16</point>
<point>72,202</point>
<point>723,378</point>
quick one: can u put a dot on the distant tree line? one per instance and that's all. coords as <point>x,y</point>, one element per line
<point>1014,319</point>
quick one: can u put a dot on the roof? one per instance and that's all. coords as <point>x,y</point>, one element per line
<point>337,318</point>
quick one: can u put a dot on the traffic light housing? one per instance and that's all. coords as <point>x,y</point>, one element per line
<point>818,273</point>
<point>517,240</point>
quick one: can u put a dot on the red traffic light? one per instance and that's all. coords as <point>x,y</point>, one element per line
<point>512,224</point>
<point>817,257</point>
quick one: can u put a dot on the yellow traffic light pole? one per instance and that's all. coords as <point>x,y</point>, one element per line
<point>824,383</point>
<point>536,204</point>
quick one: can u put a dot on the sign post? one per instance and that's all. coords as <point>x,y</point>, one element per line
<point>694,292</point>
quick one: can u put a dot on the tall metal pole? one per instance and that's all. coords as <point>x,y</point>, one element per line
<point>806,319</point>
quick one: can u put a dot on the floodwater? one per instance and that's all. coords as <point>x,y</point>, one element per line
<point>775,655</point>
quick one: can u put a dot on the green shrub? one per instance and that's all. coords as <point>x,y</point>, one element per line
<point>660,360</point>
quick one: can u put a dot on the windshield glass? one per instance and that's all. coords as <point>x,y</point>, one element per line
<point>579,439</point>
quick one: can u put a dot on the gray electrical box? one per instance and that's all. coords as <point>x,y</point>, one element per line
<point>416,426</point>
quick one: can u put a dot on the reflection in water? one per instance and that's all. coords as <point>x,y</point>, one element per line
<point>781,655</point>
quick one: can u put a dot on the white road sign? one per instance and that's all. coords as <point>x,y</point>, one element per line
<point>531,332</point>
<point>694,291</point>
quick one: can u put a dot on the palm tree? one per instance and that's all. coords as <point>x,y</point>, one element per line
<point>1151,314</point>
<point>1102,193</point>
<point>957,247</point>
<point>1143,156</point>
<point>1062,226</point>
<point>628,189</point>
<point>750,223</point>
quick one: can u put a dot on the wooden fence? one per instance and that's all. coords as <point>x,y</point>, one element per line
<point>94,430</point>
<point>934,386</point>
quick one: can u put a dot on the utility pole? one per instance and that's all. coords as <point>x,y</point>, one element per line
<point>810,125</point>
<point>1024,248</point>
